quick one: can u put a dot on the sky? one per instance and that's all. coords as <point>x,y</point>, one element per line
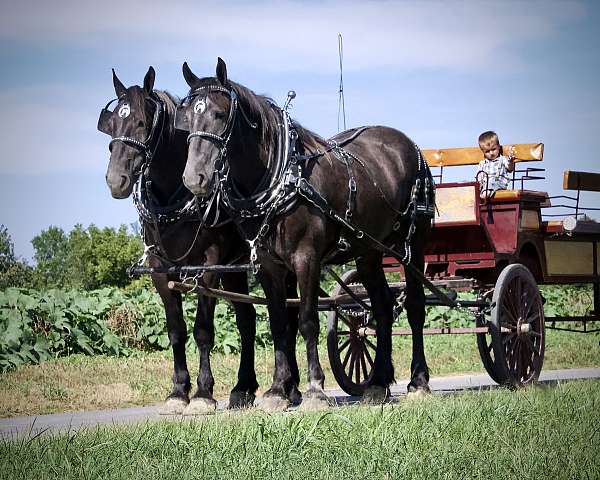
<point>442,72</point>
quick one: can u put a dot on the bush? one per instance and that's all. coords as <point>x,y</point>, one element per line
<point>89,258</point>
<point>36,325</point>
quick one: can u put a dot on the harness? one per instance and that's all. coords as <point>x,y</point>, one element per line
<point>283,185</point>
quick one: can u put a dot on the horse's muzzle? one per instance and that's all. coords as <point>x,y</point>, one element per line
<point>197,184</point>
<point>120,185</point>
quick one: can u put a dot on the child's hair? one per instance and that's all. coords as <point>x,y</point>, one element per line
<point>487,136</point>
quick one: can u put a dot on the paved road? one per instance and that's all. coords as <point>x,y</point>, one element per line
<point>61,422</point>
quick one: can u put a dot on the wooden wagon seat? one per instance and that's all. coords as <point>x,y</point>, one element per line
<point>453,157</point>
<point>529,196</point>
<point>583,181</point>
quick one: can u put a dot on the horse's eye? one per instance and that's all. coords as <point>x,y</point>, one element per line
<point>220,115</point>
<point>140,124</point>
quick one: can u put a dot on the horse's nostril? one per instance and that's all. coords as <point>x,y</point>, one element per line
<point>124,182</point>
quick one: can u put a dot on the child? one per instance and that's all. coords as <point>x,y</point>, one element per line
<point>493,169</point>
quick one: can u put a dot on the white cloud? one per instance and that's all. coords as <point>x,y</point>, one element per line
<point>288,35</point>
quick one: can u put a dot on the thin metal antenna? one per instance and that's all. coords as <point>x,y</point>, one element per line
<point>341,103</point>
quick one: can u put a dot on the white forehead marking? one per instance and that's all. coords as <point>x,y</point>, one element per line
<point>200,105</point>
<point>125,110</point>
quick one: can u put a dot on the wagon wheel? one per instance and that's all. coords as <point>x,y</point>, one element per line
<point>517,327</point>
<point>351,350</point>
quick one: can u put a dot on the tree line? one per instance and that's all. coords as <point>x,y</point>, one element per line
<point>87,258</point>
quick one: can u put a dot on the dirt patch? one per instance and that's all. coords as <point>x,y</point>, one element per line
<point>104,396</point>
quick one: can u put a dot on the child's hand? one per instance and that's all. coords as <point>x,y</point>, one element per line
<point>511,153</point>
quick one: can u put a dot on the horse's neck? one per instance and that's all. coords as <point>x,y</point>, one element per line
<point>167,166</point>
<point>250,163</point>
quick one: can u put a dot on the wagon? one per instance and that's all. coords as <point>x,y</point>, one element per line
<point>501,249</point>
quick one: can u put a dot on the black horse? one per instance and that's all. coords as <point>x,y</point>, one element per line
<point>289,208</point>
<point>145,143</point>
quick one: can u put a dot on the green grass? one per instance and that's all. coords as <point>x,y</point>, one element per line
<point>540,432</point>
<point>81,382</point>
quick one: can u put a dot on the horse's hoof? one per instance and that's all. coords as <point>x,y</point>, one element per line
<point>173,406</point>
<point>274,404</point>
<point>376,395</point>
<point>241,399</point>
<point>313,403</point>
<point>417,393</point>
<point>200,406</point>
<point>295,396</point>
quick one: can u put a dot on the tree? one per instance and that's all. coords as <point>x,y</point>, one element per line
<point>13,271</point>
<point>85,258</point>
<point>51,255</point>
<point>100,257</point>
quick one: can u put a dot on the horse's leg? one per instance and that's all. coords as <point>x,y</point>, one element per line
<point>242,394</point>
<point>373,278</point>
<point>292,313</point>
<point>308,269</point>
<point>204,333</point>
<point>272,278</point>
<point>179,396</point>
<point>415,310</point>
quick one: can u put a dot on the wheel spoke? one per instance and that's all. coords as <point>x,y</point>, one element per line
<point>370,344</point>
<point>368,355</point>
<point>343,333</point>
<point>531,347</point>
<point>345,320</point>
<point>364,366</point>
<point>352,361</point>
<point>531,301</point>
<point>519,363</point>
<point>513,357</point>
<point>344,346</point>
<point>507,313</point>
<point>508,337</point>
<point>346,358</point>
<point>357,366</point>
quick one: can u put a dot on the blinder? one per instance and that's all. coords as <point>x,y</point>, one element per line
<point>181,121</point>
<point>104,118</point>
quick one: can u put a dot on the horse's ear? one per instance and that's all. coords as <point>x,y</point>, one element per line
<point>120,89</point>
<point>149,80</point>
<point>191,79</point>
<point>221,71</point>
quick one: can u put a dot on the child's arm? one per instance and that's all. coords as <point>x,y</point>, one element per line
<point>510,164</point>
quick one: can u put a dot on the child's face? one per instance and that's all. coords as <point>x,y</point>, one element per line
<point>490,149</point>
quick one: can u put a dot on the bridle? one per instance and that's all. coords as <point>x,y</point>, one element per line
<point>222,139</point>
<point>150,145</point>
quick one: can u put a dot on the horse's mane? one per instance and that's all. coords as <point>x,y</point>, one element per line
<point>264,111</point>
<point>170,102</point>
<point>265,108</point>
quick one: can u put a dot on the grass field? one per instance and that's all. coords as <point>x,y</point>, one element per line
<point>538,432</point>
<point>98,382</point>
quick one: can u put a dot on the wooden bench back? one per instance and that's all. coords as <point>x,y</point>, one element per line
<point>586,181</point>
<point>452,157</point>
